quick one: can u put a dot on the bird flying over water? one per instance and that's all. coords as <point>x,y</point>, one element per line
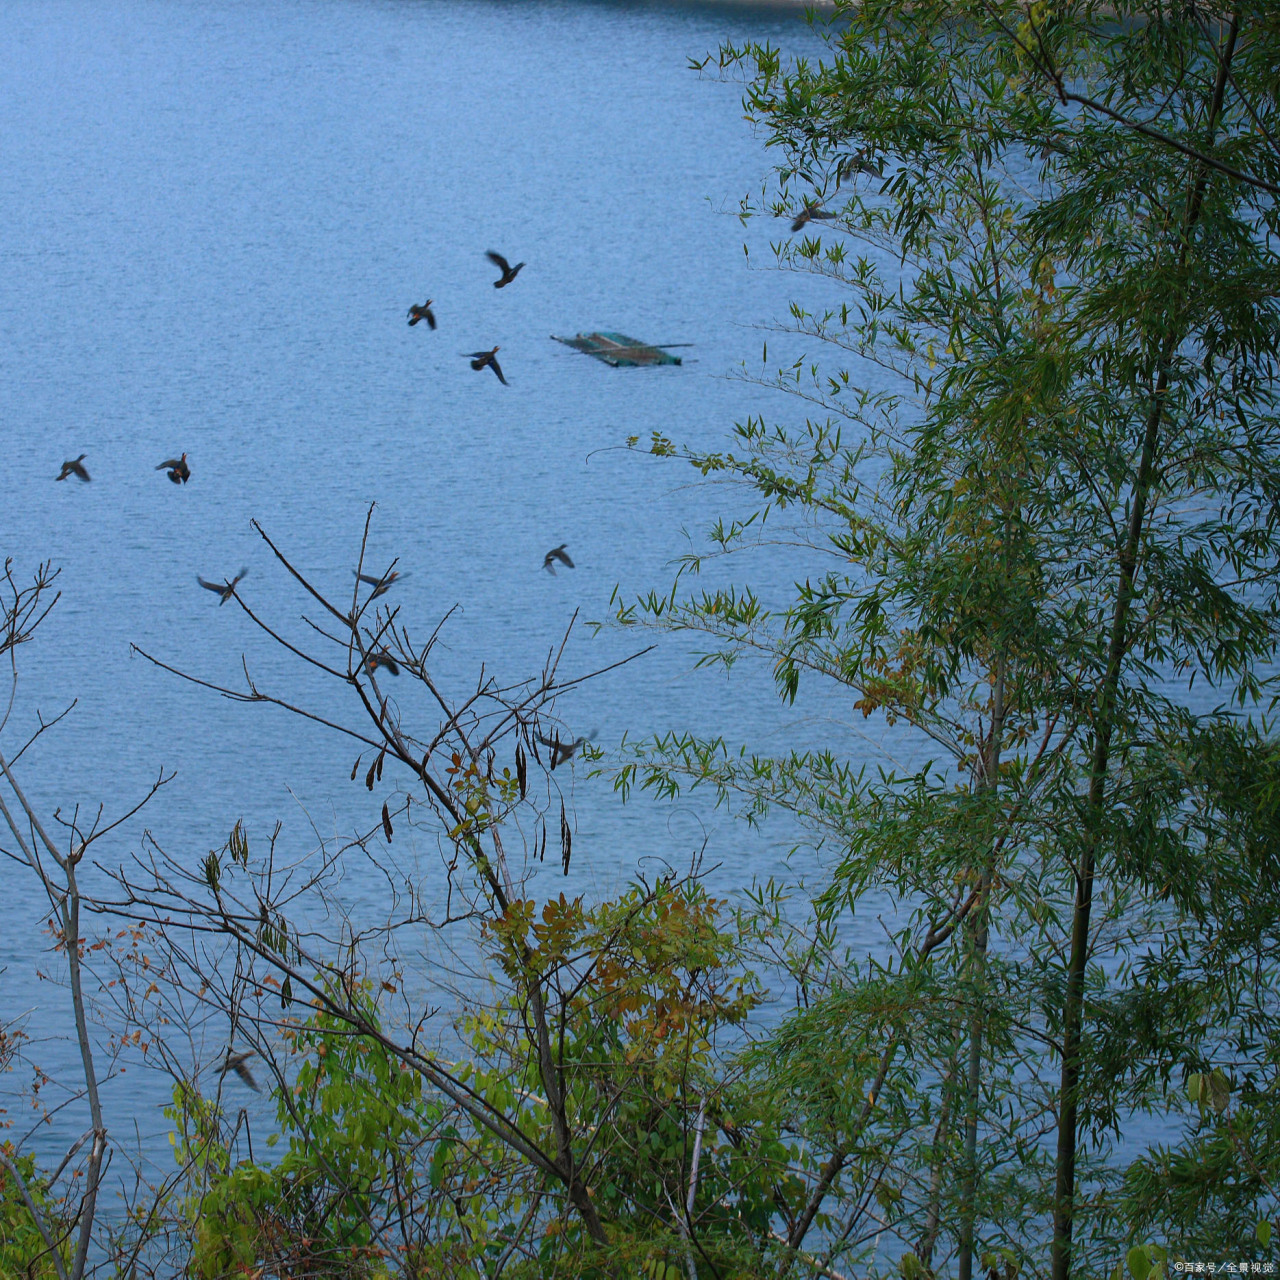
<point>423,312</point>
<point>381,659</point>
<point>809,211</point>
<point>560,751</point>
<point>380,585</point>
<point>177,468</point>
<point>236,1062</point>
<point>557,553</point>
<point>509,272</point>
<point>224,591</point>
<point>481,358</point>
<point>74,468</point>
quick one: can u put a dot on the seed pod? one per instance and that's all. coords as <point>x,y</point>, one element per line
<point>382,755</point>
<point>566,840</point>
<point>355,768</point>
<point>368,777</point>
<point>286,993</point>
<point>522,770</point>
<point>386,822</point>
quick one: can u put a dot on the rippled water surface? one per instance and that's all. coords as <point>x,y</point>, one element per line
<point>213,217</point>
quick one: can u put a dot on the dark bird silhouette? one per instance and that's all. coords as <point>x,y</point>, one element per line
<point>224,591</point>
<point>381,659</point>
<point>75,468</point>
<point>177,468</point>
<point>560,751</point>
<point>236,1062</point>
<point>380,585</point>
<point>556,553</point>
<point>809,211</point>
<point>423,312</point>
<point>509,272</point>
<point>858,163</point>
<point>481,358</point>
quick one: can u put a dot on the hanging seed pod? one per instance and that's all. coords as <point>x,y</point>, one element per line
<point>522,770</point>
<point>238,844</point>
<point>369,777</point>
<point>386,822</point>
<point>212,871</point>
<point>286,993</point>
<point>355,768</point>
<point>382,755</point>
<point>566,840</point>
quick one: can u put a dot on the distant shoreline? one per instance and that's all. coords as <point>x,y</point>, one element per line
<point>784,5</point>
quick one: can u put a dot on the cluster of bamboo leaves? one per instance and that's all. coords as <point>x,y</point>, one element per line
<point>1034,507</point>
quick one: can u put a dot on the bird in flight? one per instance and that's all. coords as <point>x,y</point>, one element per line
<point>236,1062</point>
<point>423,312</point>
<point>809,211</point>
<point>177,468</point>
<point>380,585</point>
<point>509,272</point>
<point>75,468</point>
<point>560,751</point>
<point>224,591</point>
<point>381,659</point>
<point>481,358</point>
<point>556,553</point>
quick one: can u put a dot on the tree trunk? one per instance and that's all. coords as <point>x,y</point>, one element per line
<point>1104,726</point>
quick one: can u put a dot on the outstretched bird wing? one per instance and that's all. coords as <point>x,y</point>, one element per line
<point>497,368</point>
<point>498,261</point>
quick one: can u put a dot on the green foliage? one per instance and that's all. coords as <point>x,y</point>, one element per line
<point>22,1249</point>
<point>353,1118</point>
<point>643,988</point>
<point>1032,514</point>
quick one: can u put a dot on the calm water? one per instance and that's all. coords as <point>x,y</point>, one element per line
<point>213,217</point>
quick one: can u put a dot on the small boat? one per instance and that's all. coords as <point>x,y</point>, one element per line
<point>620,351</point>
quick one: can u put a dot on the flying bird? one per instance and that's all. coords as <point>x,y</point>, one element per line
<point>380,585</point>
<point>560,751</point>
<point>381,659</point>
<point>556,553</point>
<point>509,272</point>
<point>177,468</point>
<point>481,358</point>
<point>809,211</point>
<point>423,312</point>
<point>75,468</point>
<point>236,1062</point>
<point>224,591</point>
<point>859,163</point>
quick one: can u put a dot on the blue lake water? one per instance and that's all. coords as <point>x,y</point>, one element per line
<point>214,216</point>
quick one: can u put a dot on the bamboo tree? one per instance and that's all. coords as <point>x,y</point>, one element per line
<point>1092,335</point>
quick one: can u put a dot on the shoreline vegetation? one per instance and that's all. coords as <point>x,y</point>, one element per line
<point>1058,495</point>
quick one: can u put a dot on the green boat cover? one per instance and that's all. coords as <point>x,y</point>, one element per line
<point>618,350</point>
